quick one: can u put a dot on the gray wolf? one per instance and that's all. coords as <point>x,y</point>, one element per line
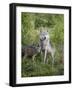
<point>30,51</point>
<point>46,46</point>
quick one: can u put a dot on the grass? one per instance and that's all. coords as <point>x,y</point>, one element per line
<point>38,68</point>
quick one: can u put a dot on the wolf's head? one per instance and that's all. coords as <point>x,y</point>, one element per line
<point>44,35</point>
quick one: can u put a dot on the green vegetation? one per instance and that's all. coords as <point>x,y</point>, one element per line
<point>30,28</point>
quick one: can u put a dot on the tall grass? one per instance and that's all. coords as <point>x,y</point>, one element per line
<point>38,68</point>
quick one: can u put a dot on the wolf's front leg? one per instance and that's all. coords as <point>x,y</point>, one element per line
<point>41,55</point>
<point>45,55</point>
<point>24,57</point>
<point>33,58</point>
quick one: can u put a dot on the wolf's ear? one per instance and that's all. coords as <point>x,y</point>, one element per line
<point>47,30</point>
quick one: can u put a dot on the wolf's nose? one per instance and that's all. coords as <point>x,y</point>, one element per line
<point>44,37</point>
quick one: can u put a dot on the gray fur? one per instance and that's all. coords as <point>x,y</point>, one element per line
<point>46,46</point>
<point>30,51</point>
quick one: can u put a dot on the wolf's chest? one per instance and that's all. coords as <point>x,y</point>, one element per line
<point>44,45</point>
